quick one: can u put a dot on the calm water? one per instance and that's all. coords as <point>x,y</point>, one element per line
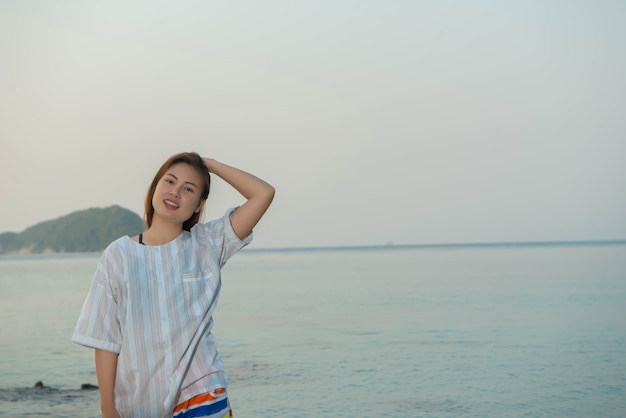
<point>456,332</point>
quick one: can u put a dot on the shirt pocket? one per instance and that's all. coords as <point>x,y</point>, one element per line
<point>195,276</point>
<point>200,290</point>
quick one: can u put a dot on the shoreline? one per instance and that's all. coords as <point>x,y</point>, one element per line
<point>25,252</point>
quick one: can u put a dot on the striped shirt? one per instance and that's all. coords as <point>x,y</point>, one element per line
<point>153,306</point>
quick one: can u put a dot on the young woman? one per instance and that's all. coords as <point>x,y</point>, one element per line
<point>148,314</point>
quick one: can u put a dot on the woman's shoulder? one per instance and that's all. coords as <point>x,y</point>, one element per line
<point>120,246</point>
<point>213,224</point>
<point>219,232</point>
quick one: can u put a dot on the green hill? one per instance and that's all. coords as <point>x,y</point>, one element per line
<point>82,231</point>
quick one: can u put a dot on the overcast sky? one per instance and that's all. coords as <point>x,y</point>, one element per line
<point>377,121</point>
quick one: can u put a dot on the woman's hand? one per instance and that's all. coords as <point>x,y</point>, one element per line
<point>110,412</point>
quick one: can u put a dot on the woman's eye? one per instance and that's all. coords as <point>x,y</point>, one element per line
<point>189,189</point>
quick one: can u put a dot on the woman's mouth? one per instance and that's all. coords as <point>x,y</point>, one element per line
<point>171,204</point>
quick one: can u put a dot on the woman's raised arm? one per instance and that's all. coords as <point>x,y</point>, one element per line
<point>258,193</point>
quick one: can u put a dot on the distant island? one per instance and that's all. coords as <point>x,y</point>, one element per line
<point>87,230</point>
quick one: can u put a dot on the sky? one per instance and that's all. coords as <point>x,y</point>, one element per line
<point>404,122</point>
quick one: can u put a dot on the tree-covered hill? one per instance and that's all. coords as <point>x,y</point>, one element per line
<point>81,231</point>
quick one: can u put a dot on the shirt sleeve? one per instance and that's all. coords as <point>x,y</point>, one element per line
<point>221,238</point>
<point>98,325</point>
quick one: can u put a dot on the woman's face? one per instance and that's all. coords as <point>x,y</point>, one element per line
<point>178,194</point>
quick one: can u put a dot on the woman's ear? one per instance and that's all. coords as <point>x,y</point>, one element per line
<point>200,205</point>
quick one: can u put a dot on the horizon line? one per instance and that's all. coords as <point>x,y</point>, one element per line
<point>391,245</point>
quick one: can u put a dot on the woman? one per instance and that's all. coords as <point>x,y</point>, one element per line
<point>148,314</point>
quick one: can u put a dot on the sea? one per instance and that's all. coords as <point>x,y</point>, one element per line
<point>512,330</point>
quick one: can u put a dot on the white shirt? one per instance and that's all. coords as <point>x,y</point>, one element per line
<point>153,306</point>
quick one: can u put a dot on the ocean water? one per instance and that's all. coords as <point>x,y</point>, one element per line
<point>511,331</point>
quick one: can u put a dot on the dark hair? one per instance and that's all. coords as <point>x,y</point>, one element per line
<point>194,160</point>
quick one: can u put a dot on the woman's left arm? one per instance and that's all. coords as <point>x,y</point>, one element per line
<point>258,193</point>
